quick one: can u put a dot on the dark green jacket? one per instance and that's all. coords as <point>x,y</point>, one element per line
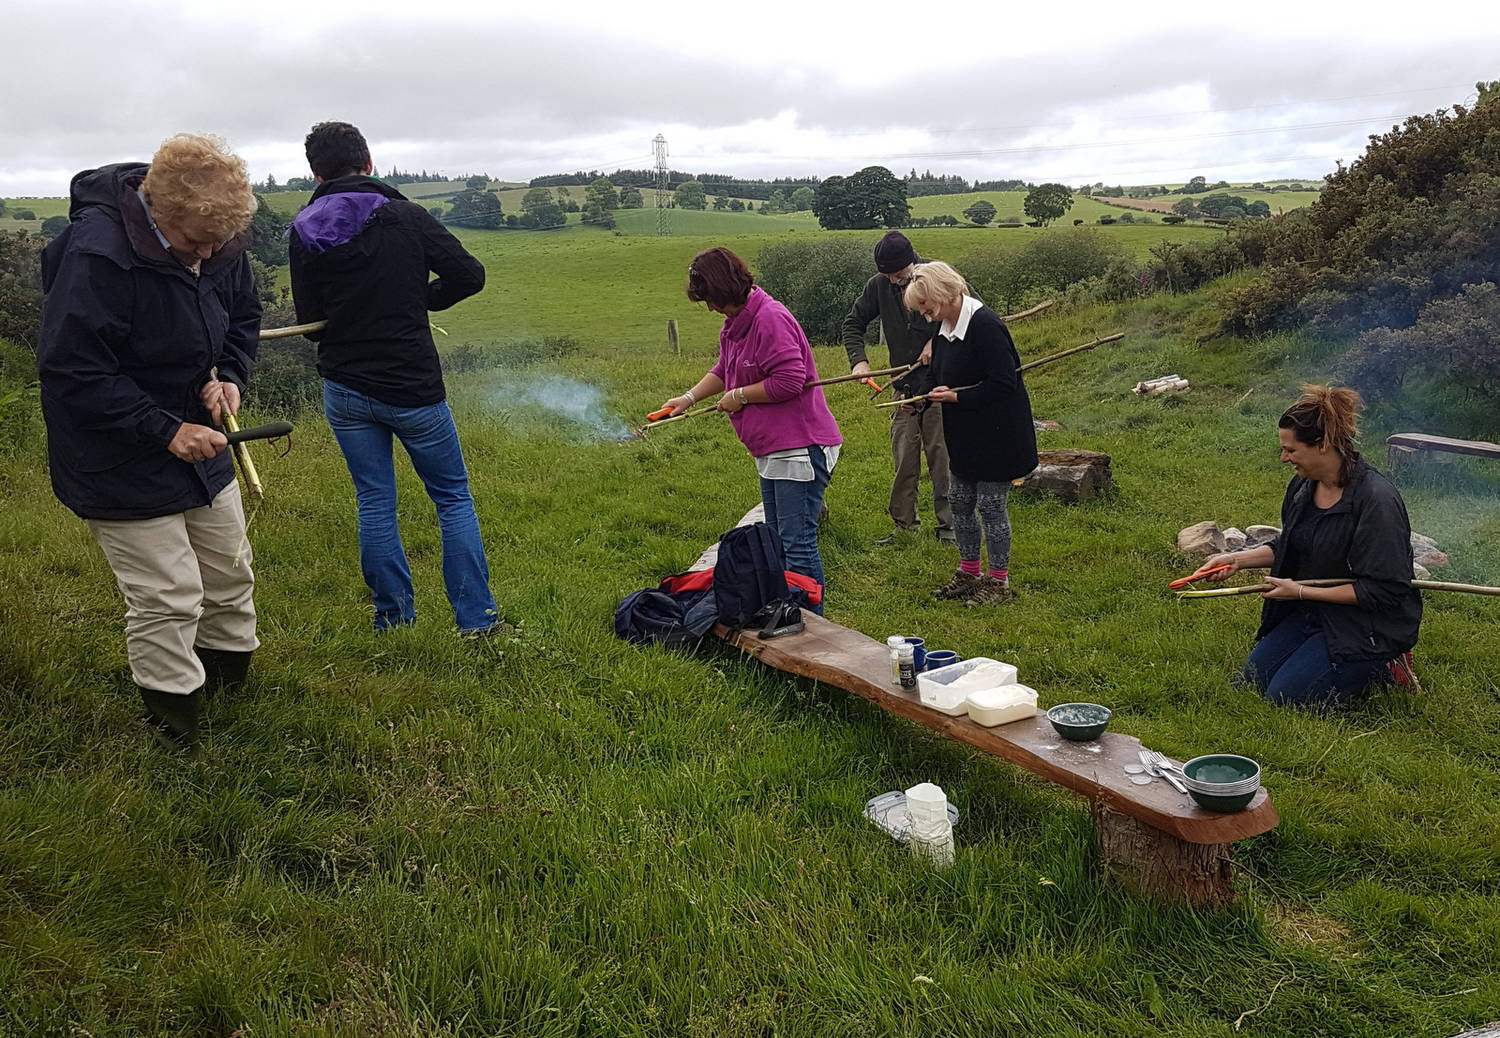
<point>905,332</point>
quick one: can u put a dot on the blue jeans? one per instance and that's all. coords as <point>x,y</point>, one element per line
<point>364,428</point>
<point>792,511</point>
<point>1290,666</point>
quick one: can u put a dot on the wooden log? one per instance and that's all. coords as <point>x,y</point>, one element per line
<point>1153,863</point>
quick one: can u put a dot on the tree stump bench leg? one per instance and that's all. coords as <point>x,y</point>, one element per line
<point>1148,861</point>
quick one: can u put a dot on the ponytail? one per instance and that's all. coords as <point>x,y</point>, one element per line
<point>1327,414</point>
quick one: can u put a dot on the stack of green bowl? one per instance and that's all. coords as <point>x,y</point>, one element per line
<point>1221,781</point>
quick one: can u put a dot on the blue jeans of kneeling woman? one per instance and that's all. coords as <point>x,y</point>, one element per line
<point>364,428</point>
<point>1290,666</point>
<point>792,508</point>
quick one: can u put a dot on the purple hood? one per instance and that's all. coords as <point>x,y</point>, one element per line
<point>334,219</point>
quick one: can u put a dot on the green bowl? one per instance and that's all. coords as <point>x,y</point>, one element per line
<point>1079,721</point>
<point>1212,802</point>
<point>1221,769</point>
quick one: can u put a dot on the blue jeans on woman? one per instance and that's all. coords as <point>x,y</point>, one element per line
<point>364,428</point>
<point>1290,666</point>
<point>792,509</point>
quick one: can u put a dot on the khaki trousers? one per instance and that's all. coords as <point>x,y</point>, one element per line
<point>912,436</point>
<point>187,582</point>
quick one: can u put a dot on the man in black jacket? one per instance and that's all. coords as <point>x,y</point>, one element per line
<point>916,429</point>
<point>361,255</point>
<point>149,331</point>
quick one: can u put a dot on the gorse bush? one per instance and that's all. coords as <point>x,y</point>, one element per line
<point>1413,222</point>
<point>1457,336</point>
<point>21,286</point>
<point>817,281</point>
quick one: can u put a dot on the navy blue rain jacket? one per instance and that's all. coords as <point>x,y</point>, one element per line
<point>129,337</point>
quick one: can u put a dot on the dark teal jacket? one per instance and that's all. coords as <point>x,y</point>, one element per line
<point>906,332</point>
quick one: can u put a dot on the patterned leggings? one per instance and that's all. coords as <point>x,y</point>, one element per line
<point>990,498</point>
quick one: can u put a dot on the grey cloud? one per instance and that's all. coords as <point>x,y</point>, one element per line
<point>520,101</point>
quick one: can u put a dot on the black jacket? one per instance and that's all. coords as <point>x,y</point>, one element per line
<point>906,331</point>
<point>360,258</point>
<point>989,432</point>
<point>129,337</point>
<point>1365,535</point>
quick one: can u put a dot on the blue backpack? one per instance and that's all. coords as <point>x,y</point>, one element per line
<point>674,619</point>
<point>750,578</point>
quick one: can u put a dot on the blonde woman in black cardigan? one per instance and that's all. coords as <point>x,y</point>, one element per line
<point>986,425</point>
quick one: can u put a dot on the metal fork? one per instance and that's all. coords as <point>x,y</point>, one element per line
<point>1157,764</point>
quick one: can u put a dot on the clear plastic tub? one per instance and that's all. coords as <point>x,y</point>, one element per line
<point>947,689</point>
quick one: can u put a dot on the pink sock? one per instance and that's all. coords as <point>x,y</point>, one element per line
<point>969,566</point>
<point>1000,574</point>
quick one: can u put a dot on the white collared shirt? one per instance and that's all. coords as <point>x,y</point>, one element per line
<point>958,329</point>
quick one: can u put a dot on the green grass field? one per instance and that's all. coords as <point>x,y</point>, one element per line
<point>567,835</point>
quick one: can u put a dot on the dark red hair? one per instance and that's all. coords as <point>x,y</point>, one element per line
<point>719,277</point>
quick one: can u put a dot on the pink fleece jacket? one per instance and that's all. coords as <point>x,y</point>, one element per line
<point>764,342</point>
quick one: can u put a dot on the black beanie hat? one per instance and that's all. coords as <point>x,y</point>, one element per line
<point>893,252</point>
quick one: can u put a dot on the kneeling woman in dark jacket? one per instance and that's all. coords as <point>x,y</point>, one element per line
<point>1340,518</point>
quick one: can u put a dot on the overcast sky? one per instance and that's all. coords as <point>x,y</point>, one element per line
<point>1073,92</point>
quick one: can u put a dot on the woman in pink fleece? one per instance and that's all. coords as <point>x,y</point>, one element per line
<point>764,363</point>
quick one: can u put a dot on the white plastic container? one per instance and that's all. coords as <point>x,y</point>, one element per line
<point>947,689</point>
<point>931,825</point>
<point>1001,705</point>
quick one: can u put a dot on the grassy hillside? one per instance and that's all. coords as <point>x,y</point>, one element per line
<point>568,835</point>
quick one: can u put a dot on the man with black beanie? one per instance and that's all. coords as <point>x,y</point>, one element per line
<point>916,429</point>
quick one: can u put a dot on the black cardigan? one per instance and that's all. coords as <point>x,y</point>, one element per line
<point>989,432</point>
<point>1365,535</point>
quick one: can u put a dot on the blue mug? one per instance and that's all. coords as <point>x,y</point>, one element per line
<point>919,651</point>
<point>941,658</point>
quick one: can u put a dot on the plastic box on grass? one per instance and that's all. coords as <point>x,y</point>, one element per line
<point>946,690</point>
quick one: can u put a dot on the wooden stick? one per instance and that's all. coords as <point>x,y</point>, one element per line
<point>294,329</point>
<point>679,417</point>
<point>924,396</point>
<point>851,377</point>
<point>1424,585</point>
<point>1068,353</point>
<point>1027,313</point>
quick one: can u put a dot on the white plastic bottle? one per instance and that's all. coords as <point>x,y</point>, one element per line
<point>894,643</point>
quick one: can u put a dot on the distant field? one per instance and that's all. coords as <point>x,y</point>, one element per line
<point>566,282</point>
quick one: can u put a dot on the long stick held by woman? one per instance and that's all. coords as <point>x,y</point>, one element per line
<point>987,426</point>
<point>1340,518</point>
<point>764,363</point>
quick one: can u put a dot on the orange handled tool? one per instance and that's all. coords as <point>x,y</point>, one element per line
<point>876,386</point>
<point>1203,573</point>
<point>656,416</point>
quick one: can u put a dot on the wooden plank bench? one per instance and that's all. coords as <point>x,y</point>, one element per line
<point>1151,838</point>
<point>1400,447</point>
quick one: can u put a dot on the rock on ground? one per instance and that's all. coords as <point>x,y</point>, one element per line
<point>1203,538</point>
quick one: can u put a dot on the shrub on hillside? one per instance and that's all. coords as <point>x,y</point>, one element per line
<point>1008,279</point>
<point>1459,337</point>
<point>21,286</point>
<point>817,280</point>
<point>1412,222</point>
